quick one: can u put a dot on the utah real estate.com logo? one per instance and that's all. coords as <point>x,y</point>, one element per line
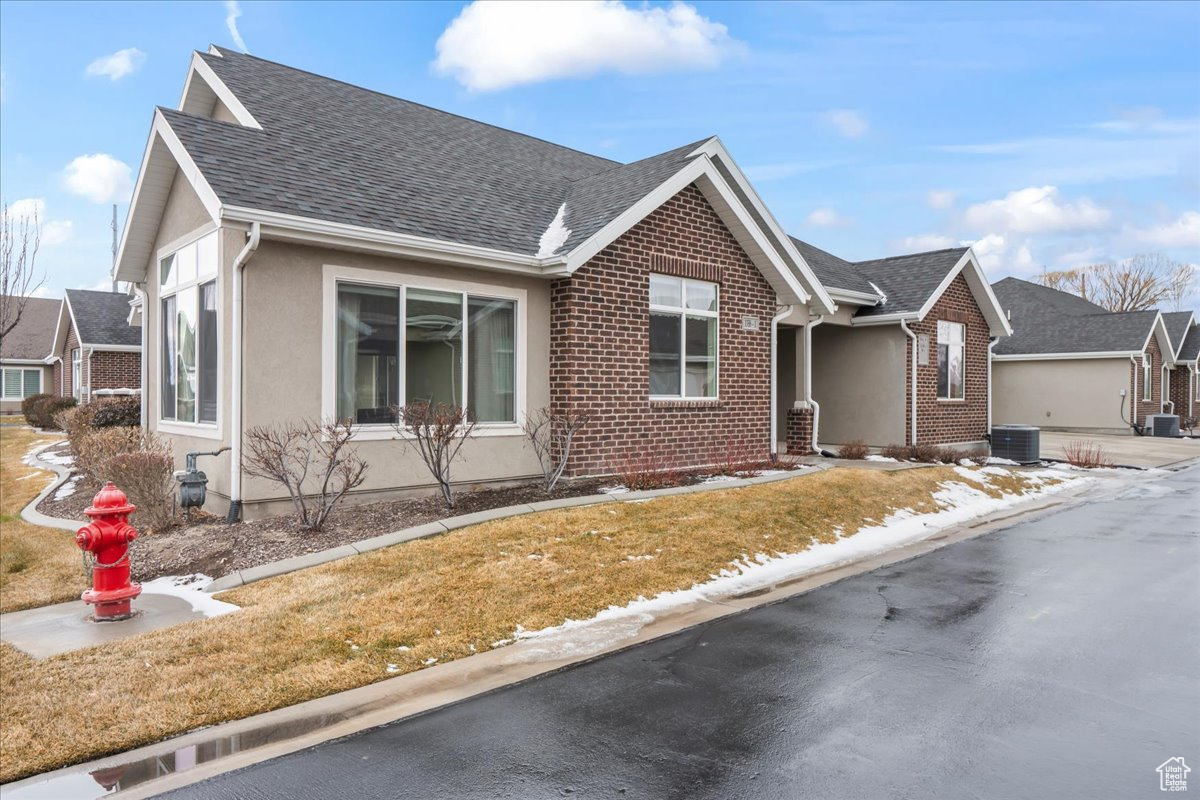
<point>1172,775</point>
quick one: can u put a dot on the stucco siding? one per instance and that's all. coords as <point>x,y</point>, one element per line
<point>1079,394</point>
<point>858,379</point>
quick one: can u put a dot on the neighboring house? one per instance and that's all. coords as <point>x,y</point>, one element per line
<point>1071,365</point>
<point>97,348</point>
<point>909,340</point>
<point>1183,382</point>
<point>303,248</point>
<point>26,354</point>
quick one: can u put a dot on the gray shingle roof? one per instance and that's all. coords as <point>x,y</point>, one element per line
<point>1046,320</point>
<point>906,281</point>
<point>102,318</point>
<point>1178,323</point>
<point>1190,349</point>
<point>33,336</point>
<point>340,153</point>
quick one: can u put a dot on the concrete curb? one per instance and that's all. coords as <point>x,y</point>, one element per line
<point>30,513</point>
<point>283,567</point>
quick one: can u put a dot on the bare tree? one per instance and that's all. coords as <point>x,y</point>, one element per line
<point>312,460</point>
<point>1144,281</point>
<point>437,433</point>
<point>20,237</point>
<point>550,434</point>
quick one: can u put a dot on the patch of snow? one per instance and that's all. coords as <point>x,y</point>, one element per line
<point>30,475</point>
<point>958,502</point>
<point>403,648</point>
<point>393,668</point>
<point>613,489</point>
<point>191,589</point>
<point>56,458</point>
<point>719,479</point>
<point>1001,462</point>
<point>882,458</point>
<point>68,488</point>
<point>429,662</point>
<point>639,558</point>
<point>556,235</point>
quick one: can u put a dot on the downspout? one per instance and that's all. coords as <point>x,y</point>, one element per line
<point>235,416</point>
<point>141,292</point>
<point>1136,398</point>
<point>912,439</point>
<point>987,434</point>
<point>808,395</point>
<point>88,399</point>
<point>775,320</point>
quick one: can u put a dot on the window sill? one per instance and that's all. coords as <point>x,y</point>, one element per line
<point>952,399</point>
<point>382,433</point>
<point>684,402</point>
<point>201,430</point>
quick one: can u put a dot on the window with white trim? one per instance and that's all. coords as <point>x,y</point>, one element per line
<point>952,349</point>
<point>398,345</point>
<point>684,324</point>
<point>17,383</point>
<point>77,373</point>
<point>188,332</point>
<point>1147,372</point>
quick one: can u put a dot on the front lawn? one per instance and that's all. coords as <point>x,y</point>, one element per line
<point>367,618</point>
<point>38,566</point>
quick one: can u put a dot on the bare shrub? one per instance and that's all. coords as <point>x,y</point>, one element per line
<point>437,433</point>
<point>124,411</point>
<point>925,453</point>
<point>1189,423</point>
<point>900,452</point>
<point>29,408</point>
<point>550,434</point>
<point>856,450</point>
<point>146,477</point>
<point>1086,454</point>
<point>312,460</point>
<point>92,448</point>
<point>639,470</point>
<point>75,422</point>
<point>733,455</point>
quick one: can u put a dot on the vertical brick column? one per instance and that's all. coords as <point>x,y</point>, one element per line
<point>799,431</point>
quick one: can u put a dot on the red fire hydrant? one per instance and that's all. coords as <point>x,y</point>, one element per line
<point>107,538</point>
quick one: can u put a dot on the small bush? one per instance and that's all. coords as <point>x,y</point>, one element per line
<point>76,423</point>
<point>900,452</point>
<point>1086,454</point>
<point>925,453</point>
<point>642,470</point>
<point>855,450</point>
<point>93,448</point>
<point>28,406</point>
<point>550,434</point>
<point>732,455</point>
<point>119,412</point>
<point>147,479</point>
<point>42,412</point>
<point>953,455</point>
<point>437,432</point>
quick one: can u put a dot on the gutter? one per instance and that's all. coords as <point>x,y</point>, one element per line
<point>912,439</point>
<point>808,398</point>
<point>775,320</point>
<point>235,425</point>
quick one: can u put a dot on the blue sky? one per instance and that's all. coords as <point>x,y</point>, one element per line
<point>1053,135</point>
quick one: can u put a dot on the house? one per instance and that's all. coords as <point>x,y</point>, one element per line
<point>1183,382</point>
<point>904,360</point>
<point>97,346</point>
<point>303,248</point>
<point>26,353</point>
<point>1071,365</point>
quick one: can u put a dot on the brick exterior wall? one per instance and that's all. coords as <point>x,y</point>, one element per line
<point>116,370</point>
<point>599,352</point>
<point>1183,383</point>
<point>948,421</point>
<point>1154,405</point>
<point>799,431</point>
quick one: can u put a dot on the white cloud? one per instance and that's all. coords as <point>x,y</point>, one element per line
<point>940,199</point>
<point>848,122</point>
<point>99,177</point>
<point>53,231</point>
<point>923,242</point>
<point>1036,210</point>
<point>826,218</point>
<point>232,12</point>
<point>117,65</point>
<point>1000,255</point>
<point>41,291</point>
<point>496,45</point>
<point>1182,232</point>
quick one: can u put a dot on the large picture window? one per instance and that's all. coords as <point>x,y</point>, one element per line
<point>1147,373</point>
<point>402,345</point>
<point>683,337</point>
<point>188,333</point>
<point>17,384</point>
<point>951,360</point>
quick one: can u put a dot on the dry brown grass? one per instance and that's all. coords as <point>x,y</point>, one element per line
<point>38,565</point>
<point>292,639</point>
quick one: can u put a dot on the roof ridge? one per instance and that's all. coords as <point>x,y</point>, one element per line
<point>403,100</point>
<point>911,255</point>
<point>618,165</point>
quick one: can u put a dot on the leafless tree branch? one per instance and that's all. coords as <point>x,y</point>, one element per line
<point>20,237</point>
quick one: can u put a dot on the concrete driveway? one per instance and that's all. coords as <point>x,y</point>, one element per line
<point>1131,451</point>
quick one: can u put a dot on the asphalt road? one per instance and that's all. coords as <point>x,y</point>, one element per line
<point>1057,658</point>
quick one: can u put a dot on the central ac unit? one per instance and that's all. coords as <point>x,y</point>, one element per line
<point>1163,424</point>
<point>1019,443</point>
